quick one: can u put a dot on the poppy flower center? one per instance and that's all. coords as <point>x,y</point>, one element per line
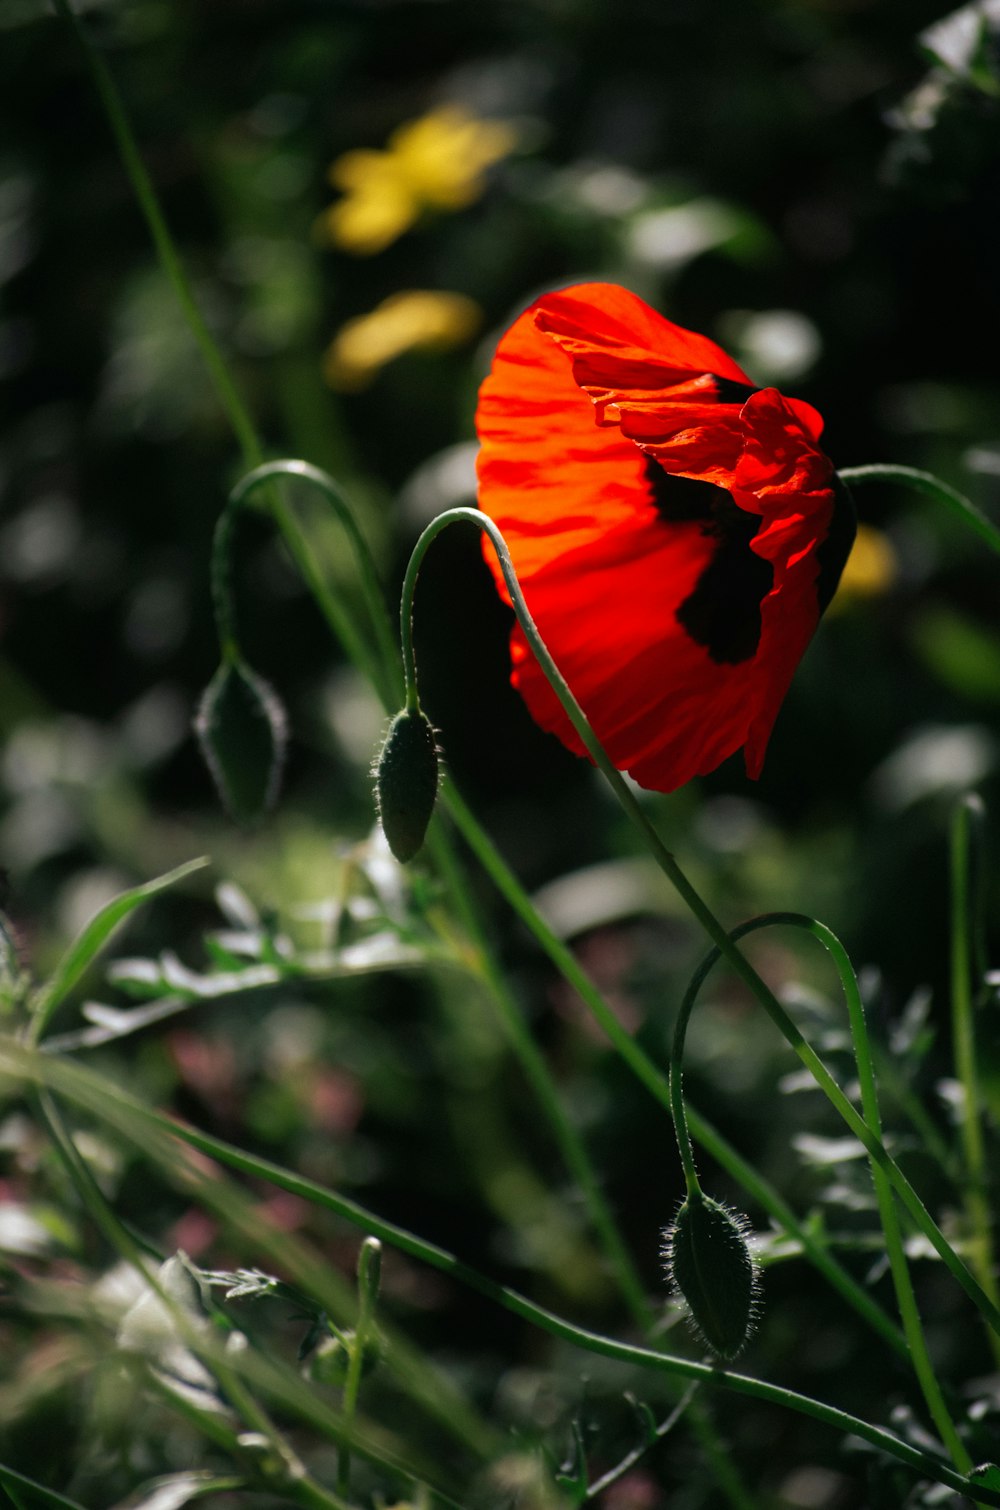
<point>722,612</point>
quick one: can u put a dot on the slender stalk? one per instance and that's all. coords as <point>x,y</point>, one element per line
<point>166,249</point>
<point>384,675</point>
<point>638,1453</point>
<point>557,1326</point>
<point>677,1108</point>
<point>293,1478</point>
<point>926,482</point>
<point>222,585</point>
<point>112,1104</point>
<point>570,1144</point>
<point>252,450</point>
<point>381,665</point>
<point>655,1081</point>
<point>965,944</point>
<point>367,1296</point>
<point>696,905</point>
<point>905,1297</point>
<point>561,957</point>
<point>342,626</point>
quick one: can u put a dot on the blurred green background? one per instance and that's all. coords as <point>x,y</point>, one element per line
<point>812,184</point>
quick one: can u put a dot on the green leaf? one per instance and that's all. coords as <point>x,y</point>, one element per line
<point>176,1489</point>
<point>986,1476</point>
<point>82,953</point>
<point>24,1491</point>
<point>242,730</point>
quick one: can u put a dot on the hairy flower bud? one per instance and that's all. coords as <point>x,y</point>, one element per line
<point>406,782</point>
<point>710,1265</point>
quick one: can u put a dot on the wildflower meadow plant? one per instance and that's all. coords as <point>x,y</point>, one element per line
<point>667,534</point>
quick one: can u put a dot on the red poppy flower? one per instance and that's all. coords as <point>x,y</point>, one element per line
<point>677,532</point>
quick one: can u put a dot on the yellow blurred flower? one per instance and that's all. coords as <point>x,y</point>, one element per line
<point>436,162</point>
<point>872,568</point>
<point>415,319</point>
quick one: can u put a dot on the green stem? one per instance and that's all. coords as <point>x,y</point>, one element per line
<point>367,1296</point>
<point>654,1080</point>
<point>678,1111</point>
<point>293,1478</point>
<point>380,665</point>
<point>696,905</point>
<point>926,482</point>
<point>563,959</point>
<point>250,444</point>
<point>905,1297</point>
<point>718,1456</point>
<point>111,1103</point>
<point>557,1326</point>
<point>570,1144</point>
<point>638,1453</point>
<point>381,675</point>
<point>166,249</point>
<point>965,945</point>
<point>222,585</point>
<point>532,1061</point>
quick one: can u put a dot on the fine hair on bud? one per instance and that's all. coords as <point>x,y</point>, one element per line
<point>406,773</point>
<point>712,1270</point>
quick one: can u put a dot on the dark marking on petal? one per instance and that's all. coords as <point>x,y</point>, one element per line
<point>731,392</point>
<point>683,500</point>
<point>832,553</point>
<point>722,613</point>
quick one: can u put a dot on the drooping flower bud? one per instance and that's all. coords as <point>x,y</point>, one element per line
<point>710,1265</point>
<point>406,782</point>
<point>242,730</point>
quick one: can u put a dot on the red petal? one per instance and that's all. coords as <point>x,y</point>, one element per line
<point>600,322</point>
<point>586,386</point>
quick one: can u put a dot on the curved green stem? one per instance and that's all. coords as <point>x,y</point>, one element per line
<point>562,957</point>
<point>384,673</point>
<point>343,628</point>
<point>700,909</point>
<point>251,447</point>
<point>933,487</point>
<point>377,664</point>
<point>382,669</point>
<point>655,1081</point>
<point>113,1104</point>
<point>906,1299</point>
